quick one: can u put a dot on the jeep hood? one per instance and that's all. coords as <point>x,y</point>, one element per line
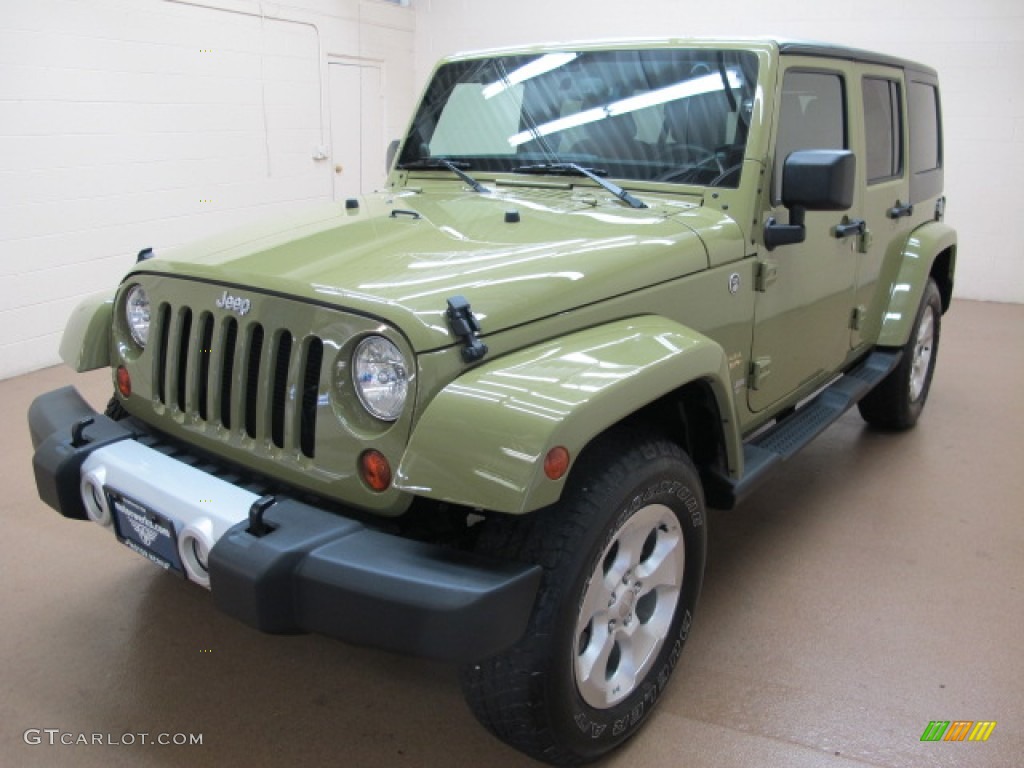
<point>400,257</point>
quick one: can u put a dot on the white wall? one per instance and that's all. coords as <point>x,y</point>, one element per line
<point>978,48</point>
<point>134,123</point>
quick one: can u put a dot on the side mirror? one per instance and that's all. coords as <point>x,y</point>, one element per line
<point>389,161</point>
<point>812,180</point>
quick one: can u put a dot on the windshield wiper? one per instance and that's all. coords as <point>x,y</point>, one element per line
<point>590,173</point>
<point>455,167</point>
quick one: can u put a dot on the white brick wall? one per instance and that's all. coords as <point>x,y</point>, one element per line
<point>117,125</point>
<point>134,123</point>
<point>976,46</point>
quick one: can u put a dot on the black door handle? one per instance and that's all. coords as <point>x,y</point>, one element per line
<point>854,227</point>
<point>899,210</point>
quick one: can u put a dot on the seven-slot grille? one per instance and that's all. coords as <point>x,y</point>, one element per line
<point>239,374</point>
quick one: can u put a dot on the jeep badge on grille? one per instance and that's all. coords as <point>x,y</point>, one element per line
<point>233,303</point>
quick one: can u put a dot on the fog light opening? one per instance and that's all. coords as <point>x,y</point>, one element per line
<point>556,463</point>
<point>195,554</point>
<point>375,470</point>
<point>124,381</point>
<point>201,554</point>
<point>95,501</point>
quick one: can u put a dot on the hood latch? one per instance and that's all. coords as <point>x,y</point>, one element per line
<point>466,327</point>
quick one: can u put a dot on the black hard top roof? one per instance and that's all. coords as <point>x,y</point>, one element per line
<point>827,50</point>
<point>789,47</point>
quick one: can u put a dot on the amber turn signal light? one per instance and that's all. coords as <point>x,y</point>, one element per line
<point>375,470</point>
<point>556,463</point>
<point>124,381</point>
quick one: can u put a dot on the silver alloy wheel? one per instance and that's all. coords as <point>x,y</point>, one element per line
<point>923,346</point>
<point>628,605</point>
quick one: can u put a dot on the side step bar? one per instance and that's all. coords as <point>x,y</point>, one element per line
<point>765,453</point>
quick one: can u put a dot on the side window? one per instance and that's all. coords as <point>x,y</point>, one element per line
<point>883,132</point>
<point>924,127</point>
<point>812,115</point>
<point>925,138</point>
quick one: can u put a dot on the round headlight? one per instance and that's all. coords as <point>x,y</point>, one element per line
<point>136,313</point>
<point>381,377</point>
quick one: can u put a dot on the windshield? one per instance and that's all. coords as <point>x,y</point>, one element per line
<point>677,115</point>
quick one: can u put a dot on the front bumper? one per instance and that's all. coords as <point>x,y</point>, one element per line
<point>290,567</point>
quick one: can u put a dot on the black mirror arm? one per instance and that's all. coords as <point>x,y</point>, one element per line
<point>776,234</point>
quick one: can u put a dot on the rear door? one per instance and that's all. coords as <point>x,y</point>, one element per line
<point>882,133</point>
<point>803,310</point>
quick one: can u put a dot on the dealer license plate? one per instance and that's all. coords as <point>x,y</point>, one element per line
<point>145,532</point>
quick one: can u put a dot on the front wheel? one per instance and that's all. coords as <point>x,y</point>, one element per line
<point>623,557</point>
<point>897,402</point>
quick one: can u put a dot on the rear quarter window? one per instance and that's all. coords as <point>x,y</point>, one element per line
<point>925,139</point>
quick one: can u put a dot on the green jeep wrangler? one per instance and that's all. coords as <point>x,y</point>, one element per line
<point>478,415</point>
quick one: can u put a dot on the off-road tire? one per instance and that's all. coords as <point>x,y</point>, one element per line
<point>896,403</point>
<point>528,696</point>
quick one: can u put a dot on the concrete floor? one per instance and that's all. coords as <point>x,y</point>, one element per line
<point>876,584</point>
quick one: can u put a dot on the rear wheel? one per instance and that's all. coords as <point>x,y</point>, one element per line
<point>623,558</point>
<point>897,402</point>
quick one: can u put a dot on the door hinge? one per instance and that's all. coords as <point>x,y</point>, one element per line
<point>857,317</point>
<point>767,272</point>
<point>760,370</point>
<point>865,241</point>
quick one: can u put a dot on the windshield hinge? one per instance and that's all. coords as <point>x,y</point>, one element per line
<point>466,328</point>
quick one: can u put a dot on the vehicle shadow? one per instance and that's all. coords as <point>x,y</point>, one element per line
<point>184,667</point>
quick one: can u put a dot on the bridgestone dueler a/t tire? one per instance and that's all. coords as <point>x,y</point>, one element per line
<point>894,403</point>
<point>528,696</point>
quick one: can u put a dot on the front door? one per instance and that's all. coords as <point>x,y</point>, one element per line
<point>803,310</point>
